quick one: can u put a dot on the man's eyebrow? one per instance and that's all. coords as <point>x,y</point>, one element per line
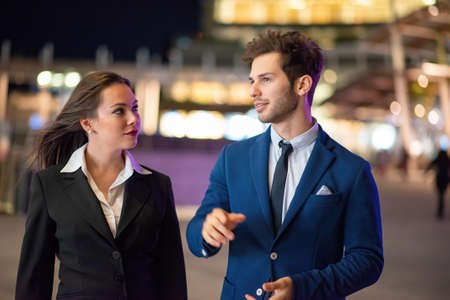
<point>261,75</point>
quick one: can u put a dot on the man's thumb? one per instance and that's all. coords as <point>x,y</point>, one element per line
<point>272,286</point>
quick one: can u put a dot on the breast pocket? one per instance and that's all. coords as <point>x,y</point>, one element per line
<point>332,199</point>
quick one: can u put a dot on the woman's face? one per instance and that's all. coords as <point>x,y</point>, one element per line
<point>117,123</point>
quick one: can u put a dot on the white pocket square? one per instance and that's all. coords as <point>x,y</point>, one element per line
<point>324,190</point>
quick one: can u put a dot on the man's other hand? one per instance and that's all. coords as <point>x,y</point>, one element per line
<point>281,289</point>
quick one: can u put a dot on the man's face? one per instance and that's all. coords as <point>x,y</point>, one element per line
<point>270,89</point>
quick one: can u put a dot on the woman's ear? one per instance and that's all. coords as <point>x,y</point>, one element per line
<point>302,85</point>
<point>86,125</point>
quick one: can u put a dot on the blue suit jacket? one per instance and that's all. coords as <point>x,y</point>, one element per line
<point>330,245</point>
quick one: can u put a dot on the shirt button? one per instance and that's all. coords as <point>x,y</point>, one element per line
<point>273,256</point>
<point>259,292</point>
<point>204,252</point>
<point>116,255</point>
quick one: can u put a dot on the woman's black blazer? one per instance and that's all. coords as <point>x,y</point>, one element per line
<point>144,261</point>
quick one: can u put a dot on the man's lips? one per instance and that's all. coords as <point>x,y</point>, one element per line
<point>260,105</point>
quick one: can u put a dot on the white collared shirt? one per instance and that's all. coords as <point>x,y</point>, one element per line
<point>112,208</point>
<point>302,145</point>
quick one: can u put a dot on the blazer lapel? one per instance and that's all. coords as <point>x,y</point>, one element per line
<point>259,158</point>
<point>316,166</point>
<point>137,191</point>
<point>77,188</point>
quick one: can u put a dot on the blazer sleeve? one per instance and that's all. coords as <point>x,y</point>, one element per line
<point>170,260</point>
<point>37,258</point>
<point>363,260</point>
<point>216,197</point>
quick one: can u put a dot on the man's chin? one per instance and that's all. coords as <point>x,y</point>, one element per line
<point>264,119</point>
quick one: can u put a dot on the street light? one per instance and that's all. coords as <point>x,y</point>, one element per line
<point>44,78</point>
<point>72,79</point>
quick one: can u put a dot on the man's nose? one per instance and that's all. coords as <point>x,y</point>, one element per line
<point>254,90</point>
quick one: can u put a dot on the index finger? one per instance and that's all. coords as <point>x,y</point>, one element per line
<point>234,219</point>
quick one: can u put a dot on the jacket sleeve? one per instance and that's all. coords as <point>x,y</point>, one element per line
<point>216,197</point>
<point>363,261</point>
<point>37,259</point>
<point>170,260</point>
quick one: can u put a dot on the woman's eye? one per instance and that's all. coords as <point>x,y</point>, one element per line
<point>118,111</point>
<point>135,108</point>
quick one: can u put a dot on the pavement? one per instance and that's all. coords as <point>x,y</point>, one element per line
<point>416,246</point>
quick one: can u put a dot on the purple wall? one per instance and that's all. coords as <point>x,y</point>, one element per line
<point>188,170</point>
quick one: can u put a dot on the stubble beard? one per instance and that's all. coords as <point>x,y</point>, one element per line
<point>279,109</point>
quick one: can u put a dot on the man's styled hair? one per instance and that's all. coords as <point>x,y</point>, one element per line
<point>300,55</point>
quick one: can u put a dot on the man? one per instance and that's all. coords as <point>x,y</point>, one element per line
<point>300,212</point>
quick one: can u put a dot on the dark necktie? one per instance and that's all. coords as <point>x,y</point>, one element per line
<point>279,181</point>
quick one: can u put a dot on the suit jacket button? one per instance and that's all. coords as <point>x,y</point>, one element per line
<point>259,292</point>
<point>118,277</point>
<point>273,256</point>
<point>116,255</point>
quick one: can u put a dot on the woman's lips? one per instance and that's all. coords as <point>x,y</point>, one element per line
<point>133,132</point>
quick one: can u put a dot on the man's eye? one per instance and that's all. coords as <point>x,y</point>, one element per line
<point>134,108</point>
<point>266,79</point>
<point>118,111</point>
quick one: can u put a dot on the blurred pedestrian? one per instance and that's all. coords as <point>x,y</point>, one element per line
<point>441,165</point>
<point>403,163</point>
<point>110,221</point>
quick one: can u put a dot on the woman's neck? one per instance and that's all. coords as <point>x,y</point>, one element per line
<point>99,160</point>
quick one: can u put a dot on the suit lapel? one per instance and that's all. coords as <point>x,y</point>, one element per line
<point>259,158</point>
<point>77,188</point>
<point>137,191</point>
<point>316,166</point>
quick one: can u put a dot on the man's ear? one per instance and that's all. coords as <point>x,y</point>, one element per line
<point>302,85</point>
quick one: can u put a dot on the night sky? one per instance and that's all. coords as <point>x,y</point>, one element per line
<point>77,28</point>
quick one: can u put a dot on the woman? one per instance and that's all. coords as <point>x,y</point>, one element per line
<point>111,222</point>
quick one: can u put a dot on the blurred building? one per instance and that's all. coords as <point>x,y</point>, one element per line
<point>385,86</point>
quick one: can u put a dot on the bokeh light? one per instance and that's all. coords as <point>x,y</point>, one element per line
<point>44,78</point>
<point>72,79</point>
<point>395,108</point>
<point>383,137</point>
<point>419,110</point>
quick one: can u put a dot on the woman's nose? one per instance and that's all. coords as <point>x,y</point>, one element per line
<point>133,117</point>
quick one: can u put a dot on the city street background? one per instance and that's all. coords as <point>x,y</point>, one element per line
<point>384,94</point>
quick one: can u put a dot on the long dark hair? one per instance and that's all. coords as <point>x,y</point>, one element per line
<point>64,135</point>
